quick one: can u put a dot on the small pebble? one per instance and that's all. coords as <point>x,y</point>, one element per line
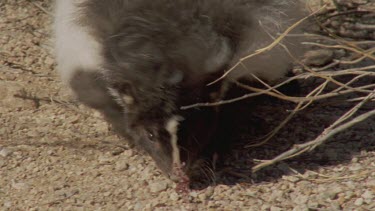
<point>355,167</point>
<point>19,185</point>
<point>106,194</point>
<point>335,205</point>
<point>273,208</point>
<point>117,151</point>
<point>4,152</point>
<point>332,192</point>
<point>174,196</point>
<point>349,194</point>
<point>138,206</point>
<point>121,165</point>
<point>300,207</point>
<point>291,178</point>
<point>355,160</point>
<point>104,159</point>
<point>301,199</point>
<point>368,195</point>
<point>207,193</point>
<point>358,202</point>
<point>8,204</point>
<point>158,186</point>
<point>193,194</point>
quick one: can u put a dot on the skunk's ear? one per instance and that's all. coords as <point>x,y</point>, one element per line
<point>202,55</point>
<point>220,56</point>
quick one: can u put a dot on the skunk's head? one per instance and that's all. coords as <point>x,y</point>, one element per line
<point>151,73</point>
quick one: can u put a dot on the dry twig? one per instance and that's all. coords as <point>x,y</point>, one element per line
<point>267,48</point>
<point>330,85</point>
<point>332,130</point>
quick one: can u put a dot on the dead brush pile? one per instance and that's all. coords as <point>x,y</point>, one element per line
<point>340,67</point>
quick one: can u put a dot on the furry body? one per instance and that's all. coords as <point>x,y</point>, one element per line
<point>139,61</point>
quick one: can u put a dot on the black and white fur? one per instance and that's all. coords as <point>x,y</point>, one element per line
<point>139,61</point>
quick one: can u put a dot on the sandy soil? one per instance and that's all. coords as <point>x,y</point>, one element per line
<point>58,155</point>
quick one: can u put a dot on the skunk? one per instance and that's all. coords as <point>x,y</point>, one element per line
<point>139,61</point>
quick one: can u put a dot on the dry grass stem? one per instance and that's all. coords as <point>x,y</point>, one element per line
<point>41,8</point>
<point>336,127</point>
<point>267,48</point>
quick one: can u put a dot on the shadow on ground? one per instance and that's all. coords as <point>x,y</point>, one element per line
<point>246,122</point>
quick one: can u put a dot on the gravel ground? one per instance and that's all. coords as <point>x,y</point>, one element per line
<point>56,155</point>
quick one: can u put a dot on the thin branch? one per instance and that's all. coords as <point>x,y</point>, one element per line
<point>267,48</point>
<point>327,133</point>
<point>42,8</point>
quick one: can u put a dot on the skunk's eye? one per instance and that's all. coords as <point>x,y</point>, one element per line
<point>151,137</point>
